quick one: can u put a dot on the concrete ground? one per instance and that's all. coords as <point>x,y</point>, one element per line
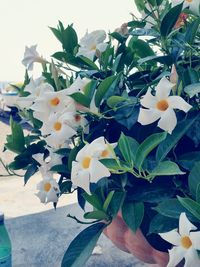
<point>39,234</point>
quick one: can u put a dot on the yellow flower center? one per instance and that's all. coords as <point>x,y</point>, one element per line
<point>104,153</point>
<point>86,162</point>
<point>186,242</point>
<point>93,47</point>
<point>55,101</point>
<point>77,118</point>
<point>162,105</point>
<point>47,187</point>
<point>57,126</point>
<point>189,1</point>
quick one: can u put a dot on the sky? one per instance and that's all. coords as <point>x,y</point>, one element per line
<point>26,22</point>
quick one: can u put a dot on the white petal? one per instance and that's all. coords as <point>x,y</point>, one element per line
<point>179,103</point>
<point>102,47</point>
<point>148,100</point>
<point>52,196</point>
<point>168,120</point>
<point>176,254</point>
<point>185,226</point>
<point>195,238</point>
<point>172,237</point>
<point>163,88</point>
<point>191,258</point>
<point>97,171</point>
<point>79,177</point>
<point>42,196</point>
<point>148,116</point>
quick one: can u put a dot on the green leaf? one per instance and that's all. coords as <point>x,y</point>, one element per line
<point>162,224</point>
<point>97,215</point>
<point>194,179</point>
<point>82,246</point>
<point>169,143</point>
<point>81,99</point>
<point>188,160</point>
<point>133,214</point>
<point>147,146</point>
<point>116,203</point>
<point>191,32</point>
<point>140,48</point>
<point>104,87</point>
<point>89,62</point>
<point>31,170</point>
<point>198,193</point>
<point>60,168</point>
<point>16,141</point>
<point>111,164</point>
<point>192,206</point>
<point>140,4</point>
<point>108,200</point>
<point>166,168</point>
<point>136,24</point>
<point>69,39</point>
<point>167,60</point>
<point>170,20</point>
<point>114,100</point>
<point>192,89</point>
<point>94,200</point>
<point>171,208</point>
<point>125,148</point>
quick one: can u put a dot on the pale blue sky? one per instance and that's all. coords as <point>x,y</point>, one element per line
<point>25,22</point>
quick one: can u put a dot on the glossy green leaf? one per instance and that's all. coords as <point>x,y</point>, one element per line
<point>82,246</point>
<point>115,100</point>
<point>171,208</point>
<point>108,200</point>
<point>162,224</point>
<point>103,88</point>
<point>125,148</point>
<point>31,170</point>
<point>132,213</point>
<point>194,179</point>
<point>94,200</point>
<point>147,146</point>
<point>192,206</point>
<point>81,99</point>
<point>165,147</point>
<point>192,89</point>
<point>166,168</point>
<point>97,215</point>
<point>170,20</point>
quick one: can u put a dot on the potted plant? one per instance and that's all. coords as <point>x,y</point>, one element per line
<point>116,118</point>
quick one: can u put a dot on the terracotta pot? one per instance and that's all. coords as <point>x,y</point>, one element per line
<point>136,244</point>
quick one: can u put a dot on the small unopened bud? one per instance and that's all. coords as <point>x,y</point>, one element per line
<point>174,75</point>
<point>181,20</point>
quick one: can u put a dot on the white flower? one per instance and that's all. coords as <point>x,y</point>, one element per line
<point>87,168</point>
<point>92,43</point>
<point>186,243</point>
<point>77,86</point>
<point>51,102</point>
<point>161,106</point>
<point>47,163</point>
<point>48,190</point>
<point>57,128</point>
<point>36,88</point>
<point>31,56</point>
<point>193,5</point>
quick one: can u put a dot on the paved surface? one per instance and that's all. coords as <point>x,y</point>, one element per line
<point>39,234</point>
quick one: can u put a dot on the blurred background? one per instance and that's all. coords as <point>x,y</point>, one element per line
<point>26,22</point>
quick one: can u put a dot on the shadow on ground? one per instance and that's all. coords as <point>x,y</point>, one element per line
<point>40,240</point>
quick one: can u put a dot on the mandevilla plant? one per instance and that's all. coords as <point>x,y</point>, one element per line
<point>116,118</point>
